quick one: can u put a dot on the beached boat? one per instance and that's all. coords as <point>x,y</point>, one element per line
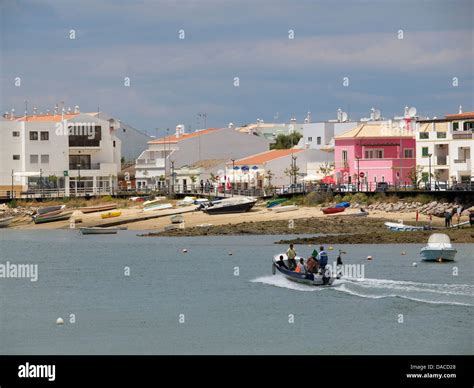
<point>332,210</point>
<point>50,209</point>
<point>343,204</point>
<point>41,219</point>
<point>298,277</point>
<point>439,248</point>
<point>98,230</point>
<point>281,209</point>
<point>186,201</point>
<point>98,208</point>
<point>177,219</point>
<point>153,201</point>
<point>4,222</point>
<point>401,227</point>
<point>230,205</point>
<point>275,202</point>
<point>111,214</point>
<point>158,207</point>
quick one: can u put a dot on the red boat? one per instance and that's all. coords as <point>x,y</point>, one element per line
<point>332,210</point>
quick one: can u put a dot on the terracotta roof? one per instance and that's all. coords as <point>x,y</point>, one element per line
<point>460,116</point>
<point>266,156</point>
<point>375,130</point>
<point>46,118</point>
<point>174,139</point>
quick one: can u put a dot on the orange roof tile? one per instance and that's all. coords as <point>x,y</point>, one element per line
<point>174,139</point>
<point>465,115</point>
<point>46,118</point>
<point>266,156</point>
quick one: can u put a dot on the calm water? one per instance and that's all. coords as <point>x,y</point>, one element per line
<point>223,313</point>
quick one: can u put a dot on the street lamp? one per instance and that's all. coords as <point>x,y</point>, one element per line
<point>358,173</point>
<point>429,163</point>
<point>233,175</point>
<point>78,177</point>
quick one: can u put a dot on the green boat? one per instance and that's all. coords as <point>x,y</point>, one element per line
<point>41,219</point>
<point>275,202</point>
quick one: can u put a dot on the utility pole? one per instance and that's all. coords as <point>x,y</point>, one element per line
<point>12,195</point>
<point>233,175</point>
<point>358,173</point>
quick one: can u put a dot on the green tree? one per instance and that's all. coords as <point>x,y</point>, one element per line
<point>283,141</point>
<point>292,172</point>
<point>416,176</point>
<point>326,168</point>
<point>269,175</point>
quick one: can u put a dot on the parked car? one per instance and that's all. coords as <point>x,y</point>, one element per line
<point>437,186</point>
<point>293,188</point>
<point>381,186</point>
<point>346,187</point>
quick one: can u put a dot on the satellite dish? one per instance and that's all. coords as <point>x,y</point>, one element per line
<point>412,112</point>
<point>377,114</point>
<point>344,116</point>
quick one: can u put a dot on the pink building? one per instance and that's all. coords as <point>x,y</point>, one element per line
<point>375,152</point>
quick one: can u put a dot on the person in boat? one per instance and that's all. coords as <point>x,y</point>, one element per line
<point>281,263</point>
<point>291,253</point>
<point>300,267</point>
<point>322,258</point>
<point>312,264</point>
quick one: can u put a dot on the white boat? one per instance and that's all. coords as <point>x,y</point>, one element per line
<point>186,201</point>
<point>401,227</point>
<point>230,205</point>
<point>281,209</point>
<point>99,230</point>
<point>152,201</point>
<point>439,248</point>
<point>158,207</point>
<point>4,222</point>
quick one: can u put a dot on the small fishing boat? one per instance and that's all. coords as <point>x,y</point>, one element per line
<point>50,209</point>
<point>98,208</point>
<point>177,219</point>
<point>111,214</point>
<point>343,204</point>
<point>186,201</point>
<point>401,227</point>
<point>439,248</point>
<point>281,209</point>
<point>158,207</point>
<point>98,230</point>
<point>153,201</point>
<point>298,277</point>
<point>275,202</point>
<point>230,205</point>
<point>4,222</point>
<point>332,210</point>
<point>49,217</point>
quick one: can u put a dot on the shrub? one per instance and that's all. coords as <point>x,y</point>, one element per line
<point>337,198</point>
<point>347,198</point>
<point>360,198</point>
<point>315,198</point>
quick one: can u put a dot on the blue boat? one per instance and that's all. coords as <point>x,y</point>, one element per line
<point>439,249</point>
<point>343,204</point>
<point>298,277</point>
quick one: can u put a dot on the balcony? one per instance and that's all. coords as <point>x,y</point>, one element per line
<point>463,135</point>
<point>150,163</point>
<point>441,160</point>
<point>462,164</point>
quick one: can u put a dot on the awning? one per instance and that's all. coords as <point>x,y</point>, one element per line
<point>27,174</point>
<point>313,177</point>
<point>328,180</point>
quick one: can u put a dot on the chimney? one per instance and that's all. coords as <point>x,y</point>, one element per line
<point>460,109</point>
<point>76,109</point>
<point>12,115</point>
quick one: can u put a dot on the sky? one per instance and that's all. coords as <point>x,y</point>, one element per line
<point>349,54</point>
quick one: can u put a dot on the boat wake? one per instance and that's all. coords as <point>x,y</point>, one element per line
<point>281,281</point>
<point>450,294</point>
<point>447,294</point>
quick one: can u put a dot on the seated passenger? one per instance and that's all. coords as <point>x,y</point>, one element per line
<point>300,267</point>
<point>312,265</point>
<point>281,263</point>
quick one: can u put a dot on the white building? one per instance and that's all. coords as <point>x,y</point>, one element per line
<point>444,146</point>
<point>58,154</point>
<point>271,168</point>
<point>133,140</point>
<point>168,154</point>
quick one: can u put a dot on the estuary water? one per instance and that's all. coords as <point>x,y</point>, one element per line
<point>124,294</point>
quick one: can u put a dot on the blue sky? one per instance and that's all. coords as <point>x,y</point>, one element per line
<point>172,80</point>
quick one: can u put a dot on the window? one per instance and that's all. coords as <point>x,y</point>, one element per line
<point>456,126</point>
<point>16,157</point>
<point>310,138</point>
<point>16,133</point>
<point>441,135</point>
<point>85,136</point>
<point>45,159</point>
<point>33,159</point>
<point>468,126</point>
<point>373,154</point>
<point>424,135</point>
<point>344,156</point>
<point>44,135</point>
<point>424,152</point>
<point>114,143</point>
<point>408,153</point>
<point>83,160</point>
<point>33,135</point>
<point>318,140</point>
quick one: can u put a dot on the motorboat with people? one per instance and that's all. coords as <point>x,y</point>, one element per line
<point>439,248</point>
<point>321,277</point>
<point>229,205</point>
